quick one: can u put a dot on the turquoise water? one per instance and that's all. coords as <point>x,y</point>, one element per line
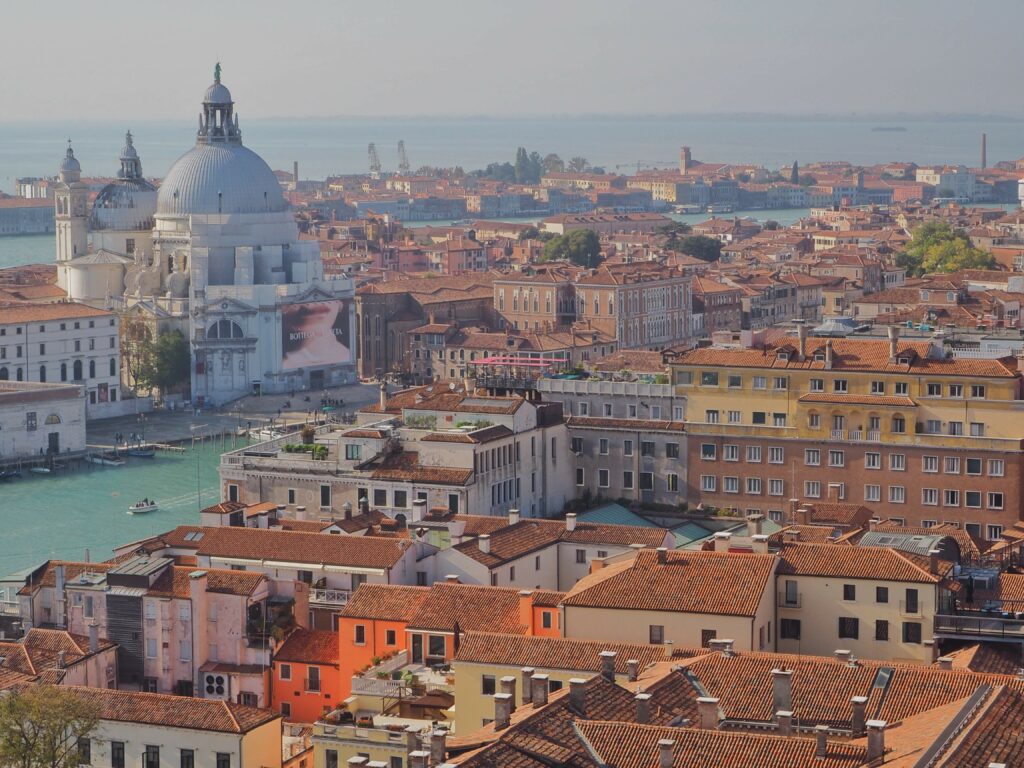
<point>62,515</point>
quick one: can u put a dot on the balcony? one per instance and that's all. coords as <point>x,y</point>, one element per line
<point>994,620</point>
<point>329,596</point>
<point>839,434</point>
<point>789,600</point>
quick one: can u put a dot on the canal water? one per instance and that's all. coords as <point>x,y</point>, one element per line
<point>64,514</point>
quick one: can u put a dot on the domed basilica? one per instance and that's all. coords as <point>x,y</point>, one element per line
<point>214,252</point>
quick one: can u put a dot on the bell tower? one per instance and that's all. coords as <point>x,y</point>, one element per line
<point>70,200</point>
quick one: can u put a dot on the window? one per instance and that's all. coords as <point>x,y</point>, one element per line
<point>709,378</point>
<point>188,756</point>
<point>881,594</point>
<point>656,634</point>
<point>545,619</point>
<point>380,497</point>
<point>872,461</point>
<point>778,419</point>
<point>646,448</point>
<point>731,453</point>
<point>930,463</point>
<point>331,758</point>
<point>602,478</point>
<point>672,450</point>
<point>911,603</point>
<point>995,500</point>
<point>776,487</point>
<point>933,426</point>
<point>672,482</point>
<point>872,493</point>
<point>780,382</point>
<point>224,760</point>
<point>627,480</point>
<point>912,632</point>
<point>973,466</point>
<point>759,417</point>
<point>813,420</point>
<point>930,496</point>
<point>325,495</point>
<point>933,389</point>
<point>353,451</point>
<point>956,428</point>
<point>576,445</point>
<point>897,494</point>
<point>151,757</point>
<point>849,591</point>
<point>789,629</point>
<point>902,388</point>
<point>735,417</point>
<point>899,424</point>
<point>711,417</point>
<point>488,685</point>
<point>754,485</point>
<point>731,484</point>
<point>840,385</point>
<point>836,459</point>
<point>996,467</point>
<point>849,627</point>
<point>360,637</point>
<point>150,647</point>
<point>584,408</point>
<point>977,429</point>
<point>877,387</point>
<point>708,451</point>
<point>707,483</point>
<point>881,630</point>
<point>817,385</point>
<point>602,446</point>
<point>84,750</point>
<point>993,532</point>
<point>898,462</point>
<point>951,498</point>
<point>956,390</point>
<point>978,390</point>
<point>607,408</point>
<point>776,455</point>
<point>579,476</point>
<point>972,499</point>
<point>812,489</point>
<point>185,650</point>
<point>812,457</point>
<point>734,381</point>
<point>760,382</point>
<point>117,754</point>
<point>627,447</point>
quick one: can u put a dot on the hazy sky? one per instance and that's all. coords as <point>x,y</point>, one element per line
<point>117,59</point>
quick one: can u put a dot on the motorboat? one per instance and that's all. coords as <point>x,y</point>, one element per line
<point>10,474</point>
<point>107,459</point>
<point>139,507</point>
<point>142,452</point>
<point>41,470</point>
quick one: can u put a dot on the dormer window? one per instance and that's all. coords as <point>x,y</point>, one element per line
<point>783,356</point>
<point>903,360</point>
<point>819,357</point>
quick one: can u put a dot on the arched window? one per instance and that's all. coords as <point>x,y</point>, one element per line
<point>225,329</point>
<point>92,369</point>
<point>113,367</point>
<point>42,373</point>
<point>4,374</point>
<point>53,418</point>
<point>77,368</point>
<point>19,375</point>
<point>63,371</point>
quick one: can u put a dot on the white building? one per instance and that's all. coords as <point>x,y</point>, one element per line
<point>952,181</point>
<point>216,251</point>
<point>64,343</point>
<point>40,419</point>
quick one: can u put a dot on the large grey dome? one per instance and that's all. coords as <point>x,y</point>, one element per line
<point>220,178</point>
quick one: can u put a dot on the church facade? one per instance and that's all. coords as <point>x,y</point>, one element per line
<point>215,253</point>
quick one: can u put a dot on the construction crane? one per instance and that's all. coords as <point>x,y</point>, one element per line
<point>403,159</point>
<point>374,161</point>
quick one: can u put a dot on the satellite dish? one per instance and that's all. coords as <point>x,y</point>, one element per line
<point>451,386</point>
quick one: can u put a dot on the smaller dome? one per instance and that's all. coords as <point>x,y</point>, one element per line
<point>217,94</point>
<point>70,162</point>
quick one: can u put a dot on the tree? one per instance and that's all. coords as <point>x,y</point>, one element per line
<point>581,246</point>
<point>166,362</point>
<point>794,175</point>
<point>553,164</point>
<point>701,247</point>
<point>936,247</point>
<point>771,225</point>
<point>40,726</point>
<point>578,164</point>
<point>136,348</point>
<point>673,232</point>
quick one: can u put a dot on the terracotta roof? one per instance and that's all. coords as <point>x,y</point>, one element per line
<point>838,512</point>
<point>385,602</point>
<point>557,652</point>
<point>292,546</point>
<point>310,646</point>
<point>628,745</point>
<point>1011,587</point>
<point>405,466</point>
<point>174,582</point>
<point>993,658</point>
<point>38,652</point>
<point>635,360</point>
<point>17,312</point>
<point>482,435</point>
<point>873,563</point>
<point>687,582</point>
<point>472,607</point>
<point>996,734</point>
<point>477,524</point>
<point>46,576</point>
<point>175,711</point>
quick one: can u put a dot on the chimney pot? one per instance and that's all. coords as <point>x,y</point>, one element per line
<point>540,690</point>
<point>842,654</point>
<point>707,713</point>
<point>759,543</point>
<point>876,739</point>
<point>857,721</point>
<point>784,722</point>
<point>662,555</point>
<point>513,516</point>
<point>570,521</point>
<point>502,711</point>
<point>782,689</point>
<point>643,708</point>
<point>578,696</point>
<point>608,665</point>
<point>438,746</point>
<point>528,673</point>
<point>945,662</point>
<point>418,759</point>
<point>483,541</point>
<point>821,734</point>
<point>722,540</point>
<point>632,670</point>
<point>665,747</point>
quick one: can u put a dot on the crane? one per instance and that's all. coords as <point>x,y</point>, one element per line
<point>403,159</point>
<point>374,161</point>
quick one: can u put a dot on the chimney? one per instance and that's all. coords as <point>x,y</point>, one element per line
<point>894,338</point>
<point>876,739</point>
<point>828,355</point>
<point>984,151</point>
<point>821,734</point>
<point>502,711</point>
<point>383,395</point>
<point>782,689</point>
<point>707,713</point>
<point>608,665</point>
<point>526,611</point>
<point>484,542</point>
<point>933,562</point>
<point>295,172</point>
<point>858,720</point>
<point>643,708</point>
<point>570,521</point>
<point>801,334</point>
<point>873,523</point>
<point>578,696</point>
<point>61,659</point>
<point>722,540</point>
<point>418,759</point>
<point>665,753</point>
<point>842,654</point>
<point>725,645</point>
<point>540,690</point>
<point>528,673</point>
<point>945,662</point>
<point>759,544</point>
<point>632,670</point>
<point>508,685</point>
<point>364,505</point>
<point>755,524</point>
<point>419,509</point>
<point>437,746</point>
<point>94,637</point>
<point>513,516</point>
<point>451,578</point>
<point>300,513</point>
<point>358,760</point>
<point>784,722</point>
<point>662,555</point>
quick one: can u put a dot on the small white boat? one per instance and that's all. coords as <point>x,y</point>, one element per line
<point>142,506</point>
<point>41,470</point>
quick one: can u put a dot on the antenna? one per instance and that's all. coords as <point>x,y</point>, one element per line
<point>403,159</point>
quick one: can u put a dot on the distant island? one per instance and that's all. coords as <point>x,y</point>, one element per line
<point>889,128</point>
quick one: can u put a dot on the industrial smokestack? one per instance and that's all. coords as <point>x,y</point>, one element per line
<point>295,172</point>
<point>984,151</point>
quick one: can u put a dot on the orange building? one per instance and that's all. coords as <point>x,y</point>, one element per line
<point>305,679</point>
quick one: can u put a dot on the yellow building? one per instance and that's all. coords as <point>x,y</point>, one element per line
<point>913,434</point>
